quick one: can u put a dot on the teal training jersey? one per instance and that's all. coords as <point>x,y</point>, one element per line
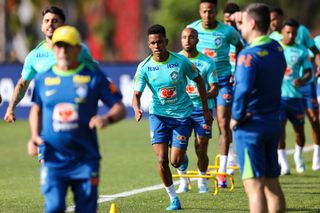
<point>297,58</point>
<point>275,35</point>
<point>317,43</point>
<point>42,58</point>
<point>215,43</point>
<point>207,69</point>
<point>167,81</point>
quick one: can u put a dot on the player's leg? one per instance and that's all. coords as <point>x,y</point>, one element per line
<point>296,117</point>
<point>223,118</point>
<point>255,192</point>
<point>274,195</point>
<point>85,194</point>
<point>224,104</point>
<point>282,154</point>
<point>160,137</point>
<point>203,134</point>
<point>54,191</point>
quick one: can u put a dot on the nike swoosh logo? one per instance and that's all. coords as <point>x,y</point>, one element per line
<point>50,92</point>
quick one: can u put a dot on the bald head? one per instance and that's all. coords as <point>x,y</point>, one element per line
<point>189,39</point>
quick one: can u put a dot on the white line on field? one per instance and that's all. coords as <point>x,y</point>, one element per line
<point>106,198</point>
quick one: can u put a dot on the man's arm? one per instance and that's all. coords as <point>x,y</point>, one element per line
<point>298,82</point>
<point>136,105</point>
<point>213,90</point>
<point>19,92</point>
<point>116,113</point>
<point>203,95</point>
<point>35,118</point>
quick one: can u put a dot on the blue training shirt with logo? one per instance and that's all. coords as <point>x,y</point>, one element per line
<point>68,101</point>
<point>258,78</point>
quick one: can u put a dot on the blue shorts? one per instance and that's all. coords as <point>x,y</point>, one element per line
<point>293,110</point>
<point>256,142</point>
<point>225,95</point>
<point>174,131</point>
<point>310,96</point>
<point>54,189</point>
<point>198,123</point>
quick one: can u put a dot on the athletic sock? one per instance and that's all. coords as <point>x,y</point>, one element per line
<point>202,180</point>
<point>183,180</point>
<point>223,163</point>
<point>282,158</point>
<point>171,192</point>
<point>316,154</point>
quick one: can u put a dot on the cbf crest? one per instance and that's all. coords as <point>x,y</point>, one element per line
<point>218,42</point>
<point>175,77</point>
<point>81,92</point>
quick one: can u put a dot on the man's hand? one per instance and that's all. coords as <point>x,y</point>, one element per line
<point>32,148</point>
<point>138,114</point>
<point>233,123</point>
<point>10,117</point>
<point>98,121</point>
<point>207,117</point>
<point>298,82</point>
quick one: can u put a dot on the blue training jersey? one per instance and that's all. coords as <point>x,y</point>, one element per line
<point>167,81</point>
<point>42,58</point>
<point>258,79</point>
<point>68,101</point>
<point>215,43</point>
<point>207,69</point>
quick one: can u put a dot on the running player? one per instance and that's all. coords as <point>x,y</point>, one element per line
<point>65,105</point>
<point>292,103</point>
<point>207,68</point>
<point>215,39</point>
<point>166,74</point>
<point>41,58</point>
<point>256,125</point>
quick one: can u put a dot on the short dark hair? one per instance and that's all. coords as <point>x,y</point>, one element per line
<point>215,2</point>
<point>261,14</point>
<point>290,22</point>
<point>54,10</point>
<point>231,8</point>
<point>157,29</point>
<point>277,10</point>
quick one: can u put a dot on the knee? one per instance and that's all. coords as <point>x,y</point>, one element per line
<point>177,162</point>
<point>163,161</point>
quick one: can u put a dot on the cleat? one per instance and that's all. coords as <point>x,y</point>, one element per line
<point>285,172</point>
<point>222,181</point>
<point>301,168</point>
<point>203,188</point>
<point>174,205</point>
<point>183,188</point>
<point>316,167</point>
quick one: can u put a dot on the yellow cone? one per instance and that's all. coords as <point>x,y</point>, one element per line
<point>113,208</point>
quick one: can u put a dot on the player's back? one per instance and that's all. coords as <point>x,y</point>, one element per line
<point>267,64</point>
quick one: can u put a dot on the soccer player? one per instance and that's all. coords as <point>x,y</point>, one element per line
<point>258,77</point>
<point>65,104</point>
<point>276,20</point>
<point>292,103</point>
<point>166,74</point>
<point>308,90</point>
<point>41,58</point>
<point>207,68</point>
<point>215,39</point>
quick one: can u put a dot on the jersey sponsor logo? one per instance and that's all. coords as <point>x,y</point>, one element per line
<point>232,57</point>
<point>42,54</point>
<point>174,65</point>
<point>50,92</point>
<point>153,68</point>
<point>288,71</point>
<point>65,117</point>
<point>191,89</point>
<point>49,81</point>
<point>81,79</point>
<point>168,92</point>
<point>174,76</point>
<point>209,52</point>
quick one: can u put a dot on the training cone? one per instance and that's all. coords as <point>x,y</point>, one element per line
<point>113,208</point>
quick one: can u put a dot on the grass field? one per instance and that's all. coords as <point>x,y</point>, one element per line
<point>129,163</point>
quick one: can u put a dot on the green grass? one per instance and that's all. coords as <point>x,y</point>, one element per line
<point>129,163</point>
